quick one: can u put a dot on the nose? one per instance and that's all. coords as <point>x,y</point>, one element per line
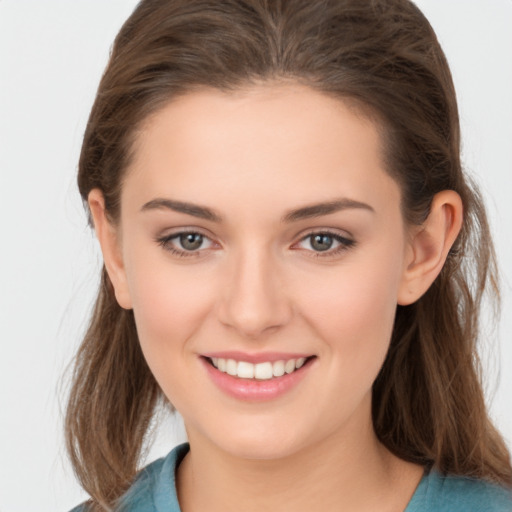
<point>253,301</point>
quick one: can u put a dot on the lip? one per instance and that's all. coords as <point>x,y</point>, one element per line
<point>253,390</point>
<point>261,357</point>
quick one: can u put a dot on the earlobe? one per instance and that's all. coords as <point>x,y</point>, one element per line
<point>108,238</point>
<point>429,246</point>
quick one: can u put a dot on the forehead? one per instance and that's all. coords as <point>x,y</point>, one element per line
<point>280,143</point>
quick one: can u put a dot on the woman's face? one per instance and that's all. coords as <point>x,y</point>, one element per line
<point>259,231</point>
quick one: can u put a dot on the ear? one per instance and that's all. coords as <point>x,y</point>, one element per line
<point>429,246</point>
<point>108,238</point>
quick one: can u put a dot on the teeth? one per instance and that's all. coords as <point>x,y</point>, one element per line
<point>245,370</point>
<point>278,368</point>
<point>289,366</point>
<point>260,371</point>
<point>231,367</point>
<point>263,371</point>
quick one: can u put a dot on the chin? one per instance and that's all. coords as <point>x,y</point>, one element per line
<point>265,444</point>
<point>261,450</point>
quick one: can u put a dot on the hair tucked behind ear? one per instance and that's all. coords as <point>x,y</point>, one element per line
<point>428,403</point>
<point>381,55</point>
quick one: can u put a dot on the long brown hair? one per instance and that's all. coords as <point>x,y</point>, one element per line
<point>428,404</point>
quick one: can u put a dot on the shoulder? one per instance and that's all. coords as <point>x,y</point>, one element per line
<point>459,494</point>
<point>154,488</point>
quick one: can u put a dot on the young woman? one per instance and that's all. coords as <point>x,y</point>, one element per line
<point>294,260</point>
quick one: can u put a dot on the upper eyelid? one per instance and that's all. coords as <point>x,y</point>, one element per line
<point>177,234</point>
<point>329,231</point>
<point>166,241</point>
<point>299,238</point>
<point>168,234</point>
<point>344,241</point>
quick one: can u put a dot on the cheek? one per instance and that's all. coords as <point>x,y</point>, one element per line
<point>353,309</point>
<point>169,309</point>
<point>169,302</point>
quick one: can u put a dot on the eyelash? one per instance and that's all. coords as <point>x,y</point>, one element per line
<point>166,243</point>
<point>345,244</point>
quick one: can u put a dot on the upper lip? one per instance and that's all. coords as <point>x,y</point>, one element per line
<point>260,357</point>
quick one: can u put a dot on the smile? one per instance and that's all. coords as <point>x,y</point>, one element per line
<point>266,377</point>
<point>260,371</point>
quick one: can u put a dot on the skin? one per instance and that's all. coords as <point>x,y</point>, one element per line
<point>258,284</point>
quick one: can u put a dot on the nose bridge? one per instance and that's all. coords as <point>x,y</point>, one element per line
<point>254,300</point>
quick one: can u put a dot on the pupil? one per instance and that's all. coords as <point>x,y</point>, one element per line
<point>322,242</point>
<point>191,241</point>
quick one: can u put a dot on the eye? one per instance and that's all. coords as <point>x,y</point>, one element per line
<point>185,243</point>
<point>325,243</point>
<point>191,241</point>
<point>321,241</point>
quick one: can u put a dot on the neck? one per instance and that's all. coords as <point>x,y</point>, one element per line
<point>348,472</point>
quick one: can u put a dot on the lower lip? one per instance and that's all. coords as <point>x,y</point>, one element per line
<point>256,390</point>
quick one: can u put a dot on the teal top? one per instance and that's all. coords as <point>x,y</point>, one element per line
<point>154,490</point>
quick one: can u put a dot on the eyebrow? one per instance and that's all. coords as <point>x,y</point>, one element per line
<point>326,208</point>
<point>305,212</point>
<point>182,207</point>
